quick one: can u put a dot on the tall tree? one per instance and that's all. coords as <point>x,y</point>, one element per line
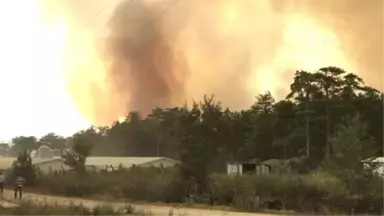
<point>353,146</point>
<point>24,167</point>
<point>302,90</point>
<point>263,119</point>
<point>23,143</point>
<point>53,141</point>
<point>329,81</point>
<point>81,149</point>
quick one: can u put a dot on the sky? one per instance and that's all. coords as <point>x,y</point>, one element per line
<point>32,91</point>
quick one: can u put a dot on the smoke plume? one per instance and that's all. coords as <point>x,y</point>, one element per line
<point>154,56</point>
<point>359,27</point>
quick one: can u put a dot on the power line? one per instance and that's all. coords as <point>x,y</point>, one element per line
<point>103,9</point>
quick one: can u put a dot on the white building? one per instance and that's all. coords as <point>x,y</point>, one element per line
<point>380,169</point>
<point>249,167</point>
<point>56,164</point>
<point>44,152</point>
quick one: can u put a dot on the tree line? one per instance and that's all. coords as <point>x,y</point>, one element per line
<point>323,138</point>
<point>208,135</point>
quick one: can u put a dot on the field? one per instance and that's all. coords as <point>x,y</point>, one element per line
<point>46,204</point>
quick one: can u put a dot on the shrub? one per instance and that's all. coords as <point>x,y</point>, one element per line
<point>250,192</point>
<point>143,184</point>
<point>318,192</point>
<point>23,166</point>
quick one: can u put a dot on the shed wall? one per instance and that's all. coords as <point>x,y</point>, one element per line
<point>161,162</point>
<point>55,165</point>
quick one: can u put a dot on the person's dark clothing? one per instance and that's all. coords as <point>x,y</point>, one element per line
<point>20,191</point>
<point>1,187</point>
<point>2,182</point>
<point>19,187</point>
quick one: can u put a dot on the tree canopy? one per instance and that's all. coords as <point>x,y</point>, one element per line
<point>206,135</point>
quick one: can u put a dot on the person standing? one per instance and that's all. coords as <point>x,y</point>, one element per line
<point>2,182</point>
<point>19,186</point>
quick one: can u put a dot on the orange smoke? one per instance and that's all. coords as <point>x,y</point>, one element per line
<point>234,49</point>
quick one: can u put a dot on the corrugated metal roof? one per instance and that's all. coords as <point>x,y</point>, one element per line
<point>125,161</point>
<point>379,159</point>
<point>6,163</point>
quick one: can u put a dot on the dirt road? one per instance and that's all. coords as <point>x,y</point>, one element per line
<point>153,209</point>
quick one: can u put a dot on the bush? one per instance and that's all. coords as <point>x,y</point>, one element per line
<point>251,193</point>
<point>143,184</point>
<point>23,166</point>
<point>317,192</point>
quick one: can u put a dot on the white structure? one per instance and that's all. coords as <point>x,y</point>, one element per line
<point>250,167</point>
<point>56,164</point>
<point>3,151</point>
<point>44,152</point>
<point>56,152</point>
<point>234,168</point>
<point>380,169</point>
<point>6,162</point>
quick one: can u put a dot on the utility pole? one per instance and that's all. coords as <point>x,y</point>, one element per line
<point>158,146</point>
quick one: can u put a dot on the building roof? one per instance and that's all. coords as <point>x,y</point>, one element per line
<point>125,161</point>
<point>6,162</point>
<point>377,159</point>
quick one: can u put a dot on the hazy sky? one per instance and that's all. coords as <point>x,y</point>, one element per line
<point>64,66</point>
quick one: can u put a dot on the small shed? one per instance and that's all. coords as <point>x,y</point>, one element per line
<point>379,165</point>
<point>248,167</point>
<point>44,152</point>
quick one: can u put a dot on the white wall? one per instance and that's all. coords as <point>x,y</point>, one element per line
<point>54,165</point>
<point>161,162</point>
<point>380,170</point>
<point>233,169</point>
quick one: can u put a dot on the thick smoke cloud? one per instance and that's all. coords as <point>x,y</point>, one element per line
<point>143,65</point>
<point>360,27</point>
<point>165,59</point>
<point>234,49</point>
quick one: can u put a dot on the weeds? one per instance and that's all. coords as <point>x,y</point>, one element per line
<point>317,192</point>
<point>142,184</point>
<point>30,208</point>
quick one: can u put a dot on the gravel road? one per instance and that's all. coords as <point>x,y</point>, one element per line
<point>153,209</point>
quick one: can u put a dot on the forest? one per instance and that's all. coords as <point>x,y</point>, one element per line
<point>330,120</point>
<point>302,125</point>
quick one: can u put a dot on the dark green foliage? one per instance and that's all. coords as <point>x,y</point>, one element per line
<point>144,184</point>
<point>307,130</point>
<point>23,166</point>
<point>80,149</point>
<point>23,143</point>
<point>301,125</point>
<point>53,141</point>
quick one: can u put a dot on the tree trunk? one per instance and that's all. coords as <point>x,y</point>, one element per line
<point>328,123</point>
<point>307,127</point>
<point>328,127</point>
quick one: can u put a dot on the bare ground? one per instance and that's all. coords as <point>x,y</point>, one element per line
<point>152,209</point>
